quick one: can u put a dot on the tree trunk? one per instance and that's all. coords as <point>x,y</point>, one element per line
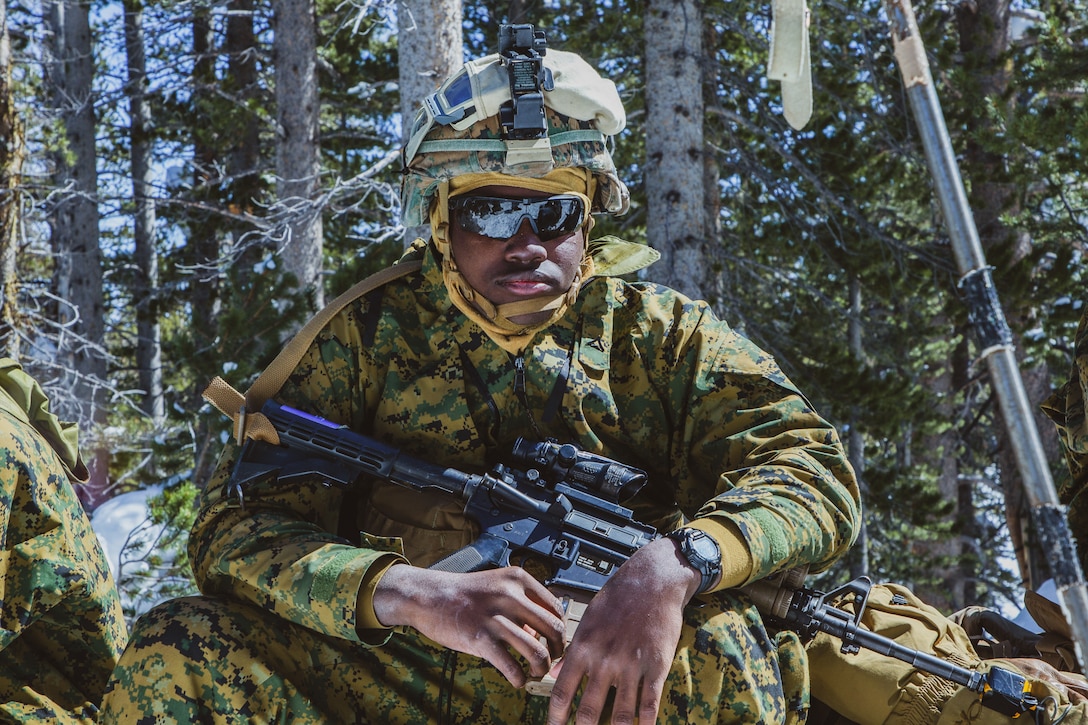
<point>984,40</point>
<point>11,165</point>
<point>77,277</point>
<point>146,285</point>
<point>243,84</point>
<point>676,214</point>
<point>947,594</point>
<point>430,50</point>
<point>297,142</point>
<point>204,241</point>
<point>518,12</point>
<point>855,439</point>
<point>713,281</point>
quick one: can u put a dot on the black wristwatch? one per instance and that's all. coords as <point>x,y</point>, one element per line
<point>702,552</point>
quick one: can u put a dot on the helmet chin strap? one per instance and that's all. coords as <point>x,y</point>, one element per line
<point>525,307</point>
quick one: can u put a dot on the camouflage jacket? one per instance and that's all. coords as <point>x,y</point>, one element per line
<point>635,372</point>
<point>61,625</point>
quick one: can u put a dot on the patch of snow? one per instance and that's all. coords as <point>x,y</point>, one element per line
<point>143,567</point>
<point>1047,589</point>
<point>116,521</point>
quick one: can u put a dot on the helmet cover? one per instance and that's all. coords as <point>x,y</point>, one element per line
<point>458,131</point>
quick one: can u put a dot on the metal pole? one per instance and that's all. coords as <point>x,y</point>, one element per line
<point>989,323</point>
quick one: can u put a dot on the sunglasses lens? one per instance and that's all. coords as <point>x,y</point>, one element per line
<point>499,218</point>
<point>559,215</point>
<point>486,216</point>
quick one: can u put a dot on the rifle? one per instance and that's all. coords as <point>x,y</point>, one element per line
<point>783,602</point>
<point>562,507</point>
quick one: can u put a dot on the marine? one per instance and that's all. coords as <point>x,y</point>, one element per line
<point>317,604</point>
<point>62,628</point>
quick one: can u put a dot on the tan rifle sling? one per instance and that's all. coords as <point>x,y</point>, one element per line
<point>245,410</point>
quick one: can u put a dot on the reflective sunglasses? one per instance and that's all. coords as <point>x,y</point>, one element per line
<point>498,218</point>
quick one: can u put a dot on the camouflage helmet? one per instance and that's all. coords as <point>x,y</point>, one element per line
<point>459,130</point>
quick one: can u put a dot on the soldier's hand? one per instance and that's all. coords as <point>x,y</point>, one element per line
<point>627,639</point>
<point>486,614</point>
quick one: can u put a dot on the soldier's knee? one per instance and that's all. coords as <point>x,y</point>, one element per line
<point>175,620</point>
<point>173,657</point>
<point>728,667</point>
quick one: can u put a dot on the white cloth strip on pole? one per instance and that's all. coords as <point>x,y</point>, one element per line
<point>789,60</point>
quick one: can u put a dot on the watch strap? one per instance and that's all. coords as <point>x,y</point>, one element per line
<point>709,568</point>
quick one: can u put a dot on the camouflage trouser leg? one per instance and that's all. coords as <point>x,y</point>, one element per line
<point>208,660</point>
<point>728,669</point>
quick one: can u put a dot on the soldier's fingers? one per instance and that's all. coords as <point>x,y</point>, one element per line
<point>538,593</point>
<point>650,699</point>
<point>563,691</point>
<point>527,644</point>
<point>625,704</point>
<point>550,627</point>
<point>507,666</point>
<point>591,703</point>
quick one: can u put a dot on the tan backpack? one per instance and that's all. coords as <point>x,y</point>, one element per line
<point>871,688</point>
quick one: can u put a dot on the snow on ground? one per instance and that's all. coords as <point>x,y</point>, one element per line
<point>141,567</point>
<point>1049,590</point>
<point>115,521</point>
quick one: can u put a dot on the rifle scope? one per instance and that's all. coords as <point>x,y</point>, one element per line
<point>566,463</point>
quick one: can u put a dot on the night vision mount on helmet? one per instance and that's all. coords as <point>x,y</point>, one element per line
<point>523,111</point>
<point>523,48</point>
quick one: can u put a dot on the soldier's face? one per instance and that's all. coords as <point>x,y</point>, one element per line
<point>530,263</point>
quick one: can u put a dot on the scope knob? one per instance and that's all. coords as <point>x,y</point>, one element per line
<point>567,454</point>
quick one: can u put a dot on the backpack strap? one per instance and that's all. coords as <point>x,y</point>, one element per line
<point>244,410</point>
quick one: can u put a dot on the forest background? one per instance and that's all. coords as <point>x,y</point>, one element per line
<point>183,183</point>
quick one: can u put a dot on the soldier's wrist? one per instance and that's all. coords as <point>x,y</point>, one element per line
<point>701,552</point>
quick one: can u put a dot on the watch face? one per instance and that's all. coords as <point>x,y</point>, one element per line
<point>702,553</point>
<point>705,547</point>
